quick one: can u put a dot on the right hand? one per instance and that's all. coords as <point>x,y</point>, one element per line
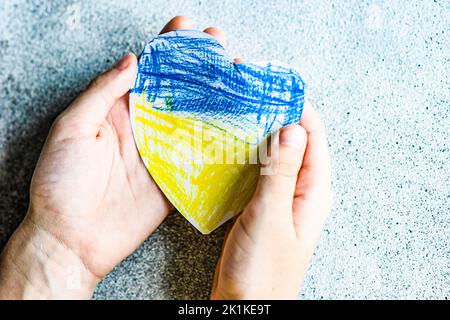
<point>266,252</point>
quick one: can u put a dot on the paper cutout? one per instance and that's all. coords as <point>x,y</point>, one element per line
<point>197,117</point>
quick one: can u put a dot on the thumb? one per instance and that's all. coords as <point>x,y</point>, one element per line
<point>93,105</point>
<point>278,179</point>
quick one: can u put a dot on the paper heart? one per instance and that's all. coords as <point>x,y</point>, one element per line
<point>198,119</point>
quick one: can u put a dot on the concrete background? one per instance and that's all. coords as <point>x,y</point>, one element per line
<point>378,72</point>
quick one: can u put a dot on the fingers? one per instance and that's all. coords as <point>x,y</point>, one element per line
<point>312,200</point>
<point>315,173</point>
<point>217,33</point>
<point>178,22</point>
<point>181,22</point>
<point>277,183</point>
<point>94,104</point>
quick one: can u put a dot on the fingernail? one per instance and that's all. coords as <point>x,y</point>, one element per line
<point>123,63</point>
<point>291,135</point>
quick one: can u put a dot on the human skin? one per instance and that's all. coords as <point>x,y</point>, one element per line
<point>267,250</point>
<point>92,203</point>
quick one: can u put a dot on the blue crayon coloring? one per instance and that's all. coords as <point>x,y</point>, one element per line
<point>185,77</point>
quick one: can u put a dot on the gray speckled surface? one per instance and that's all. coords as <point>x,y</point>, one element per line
<point>378,73</point>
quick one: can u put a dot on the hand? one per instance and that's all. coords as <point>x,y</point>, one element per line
<point>91,196</point>
<point>266,252</point>
<point>92,201</point>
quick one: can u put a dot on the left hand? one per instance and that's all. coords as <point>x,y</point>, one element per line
<point>92,201</point>
<point>90,191</point>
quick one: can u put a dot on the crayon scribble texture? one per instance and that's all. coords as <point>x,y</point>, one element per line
<point>193,110</point>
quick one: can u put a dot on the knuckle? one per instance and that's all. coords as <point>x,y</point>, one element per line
<point>61,122</point>
<point>287,168</point>
<point>67,126</point>
<point>288,162</point>
<point>285,161</point>
<point>97,89</point>
<point>96,82</point>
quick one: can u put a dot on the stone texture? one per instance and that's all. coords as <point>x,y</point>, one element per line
<point>378,73</point>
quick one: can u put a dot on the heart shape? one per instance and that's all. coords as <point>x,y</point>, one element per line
<point>198,120</point>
